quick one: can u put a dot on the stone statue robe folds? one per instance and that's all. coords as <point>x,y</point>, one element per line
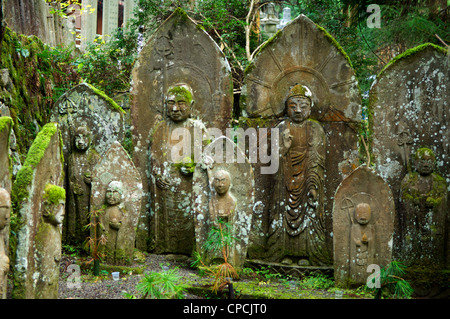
<point>297,229</point>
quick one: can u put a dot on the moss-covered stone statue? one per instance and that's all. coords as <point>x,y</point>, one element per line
<point>38,197</point>
<point>81,162</point>
<point>117,194</point>
<point>423,212</point>
<point>48,240</point>
<point>222,204</point>
<point>172,228</point>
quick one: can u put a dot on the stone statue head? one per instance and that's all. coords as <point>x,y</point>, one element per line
<point>54,203</point>
<point>5,207</point>
<point>82,138</point>
<point>299,103</point>
<point>363,213</point>
<point>221,182</point>
<point>425,161</point>
<point>179,102</point>
<point>114,193</point>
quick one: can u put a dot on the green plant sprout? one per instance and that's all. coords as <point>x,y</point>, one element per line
<point>219,240</point>
<point>160,285</point>
<point>391,282</point>
<point>95,241</point>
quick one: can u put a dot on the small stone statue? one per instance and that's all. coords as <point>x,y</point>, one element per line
<point>113,219</point>
<point>222,204</point>
<point>423,212</point>
<point>363,226</point>
<point>5,208</point>
<point>48,256</point>
<point>81,162</point>
<point>116,200</point>
<point>114,194</point>
<point>362,234</point>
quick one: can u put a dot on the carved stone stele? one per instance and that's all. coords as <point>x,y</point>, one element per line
<point>224,190</point>
<point>117,192</point>
<point>363,226</point>
<point>39,198</point>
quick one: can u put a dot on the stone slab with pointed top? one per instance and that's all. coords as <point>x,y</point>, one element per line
<point>219,156</point>
<point>361,239</point>
<point>410,103</point>
<point>304,53</point>
<point>120,230</point>
<point>84,107</point>
<point>180,51</point>
<point>39,199</point>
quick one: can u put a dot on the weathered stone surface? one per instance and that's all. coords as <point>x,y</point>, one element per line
<point>304,53</point>
<point>172,227</point>
<point>423,211</point>
<point>363,226</point>
<point>178,52</point>
<point>409,102</point>
<point>117,190</point>
<point>13,153</point>
<point>90,122</point>
<point>297,232</point>
<point>84,105</point>
<point>5,201</point>
<point>6,125</point>
<point>80,165</point>
<point>39,199</point>
<point>5,212</point>
<point>224,189</point>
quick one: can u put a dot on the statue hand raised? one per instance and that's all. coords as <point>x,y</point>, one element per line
<point>286,141</point>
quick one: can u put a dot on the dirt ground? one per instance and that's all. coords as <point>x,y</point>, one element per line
<point>105,287</point>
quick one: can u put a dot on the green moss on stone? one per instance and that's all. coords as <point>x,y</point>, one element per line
<point>5,122</point>
<point>335,43</point>
<point>107,98</point>
<point>411,52</point>
<point>263,46</point>
<point>180,91</point>
<point>54,194</point>
<point>180,14</point>
<point>424,151</point>
<point>34,156</point>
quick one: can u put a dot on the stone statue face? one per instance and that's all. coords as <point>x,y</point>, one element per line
<point>54,213</point>
<point>221,182</point>
<point>298,108</point>
<point>178,108</point>
<point>114,193</point>
<point>59,216</point>
<point>81,139</point>
<point>425,164</point>
<point>362,213</point>
<point>179,102</point>
<point>5,208</point>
